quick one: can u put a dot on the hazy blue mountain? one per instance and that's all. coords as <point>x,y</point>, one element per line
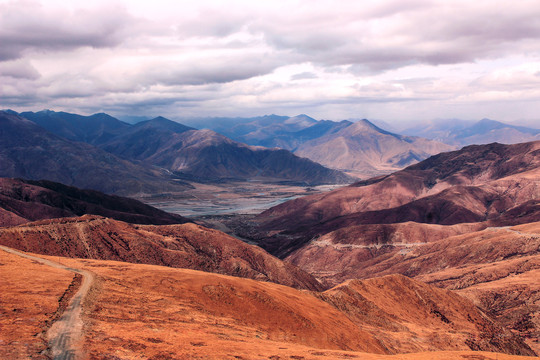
<point>485,131</point>
<point>31,152</point>
<point>272,130</point>
<point>93,129</point>
<point>232,127</point>
<point>204,155</point>
<point>145,138</point>
<point>159,143</point>
<point>161,123</point>
<point>133,119</point>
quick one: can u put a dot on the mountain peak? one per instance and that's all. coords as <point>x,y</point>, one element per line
<point>302,120</point>
<point>160,118</point>
<point>163,124</point>
<point>366,125</point>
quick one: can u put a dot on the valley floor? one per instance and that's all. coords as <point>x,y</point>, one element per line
<point>231,198</point>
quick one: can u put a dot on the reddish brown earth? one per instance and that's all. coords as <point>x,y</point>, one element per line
<point>31,295</point>
<point>498,268</point>
<point>433,319</point>
<point>177,313</point>
<point>182,246</point>
<point>22,201</point>
<point>494,184</point>
<point>470,166</point>
<point>345,253</point>
<point>156,312</point>
<point>439,220</point>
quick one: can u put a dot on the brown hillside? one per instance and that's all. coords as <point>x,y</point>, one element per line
<point>185,246</point>
<point>496,267</point>
<point>470,166</point>
<point>431,319</point>
<point>197,314</point>
<point>494,184</point>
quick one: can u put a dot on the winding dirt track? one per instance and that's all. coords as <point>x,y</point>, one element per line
<point>67,330</point>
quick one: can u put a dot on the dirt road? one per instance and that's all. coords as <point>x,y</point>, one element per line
<point>67,330</point>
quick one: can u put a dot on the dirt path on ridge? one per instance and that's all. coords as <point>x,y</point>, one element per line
<point>65,332</point>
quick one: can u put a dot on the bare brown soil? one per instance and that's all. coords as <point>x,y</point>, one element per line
<point>497,268</point>
<point>177,313</point>
<point>32,296</point>
<point>152,312</point>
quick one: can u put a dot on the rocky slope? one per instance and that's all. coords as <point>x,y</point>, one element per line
<point>468,185</point>
<point>22,201</point>
<point>367,150</point>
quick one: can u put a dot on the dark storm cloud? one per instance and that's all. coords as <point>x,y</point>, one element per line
<point>29,26</point>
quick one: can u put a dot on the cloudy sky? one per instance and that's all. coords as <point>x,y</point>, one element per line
<point>392,60</point>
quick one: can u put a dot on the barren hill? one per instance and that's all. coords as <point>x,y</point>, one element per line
<point>163,312</point>
<point>186,246</point>
<point>497,267</point>
<point>469,185</point>
<point>443,220</point>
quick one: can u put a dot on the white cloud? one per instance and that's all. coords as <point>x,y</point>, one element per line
<point>392,60</point>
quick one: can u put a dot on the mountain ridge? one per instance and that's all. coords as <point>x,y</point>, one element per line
<point>29,151</point>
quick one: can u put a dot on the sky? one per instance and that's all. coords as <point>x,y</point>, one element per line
<point>397,61</point>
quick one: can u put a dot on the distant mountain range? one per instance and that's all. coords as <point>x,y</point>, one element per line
<point>271,130</point>
<point>93,129</point>
<point>233,149</point>
<point>462,133</point>
<point>29,151</point>
<point>207,155</point>
<point>359,147</point>
<point>100,152</point>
